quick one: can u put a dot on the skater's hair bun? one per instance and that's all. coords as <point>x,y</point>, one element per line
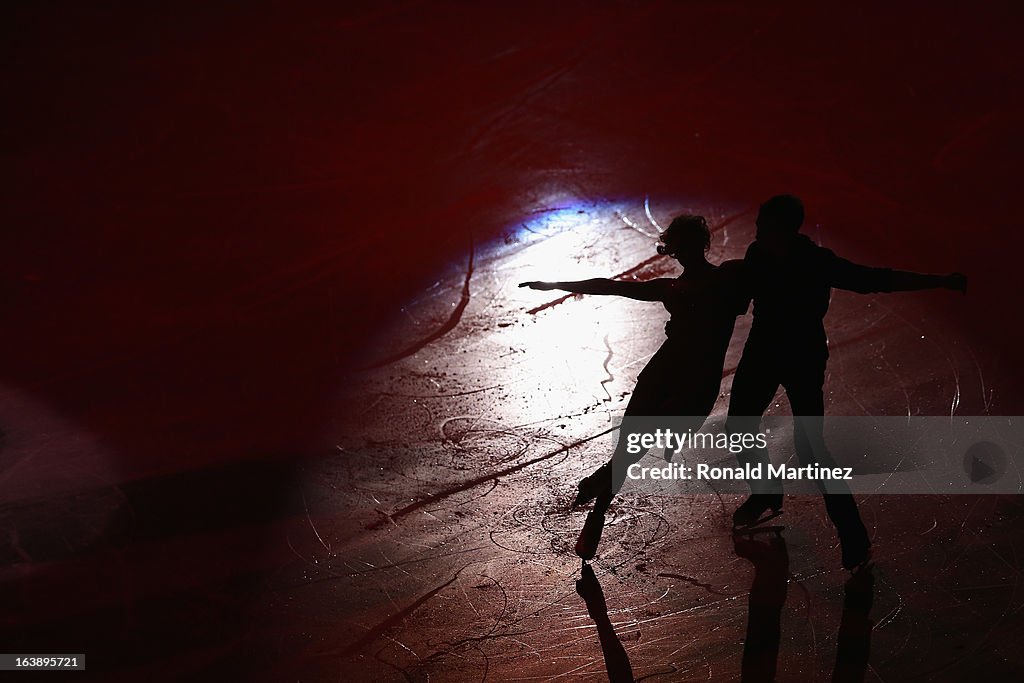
<point>685,227</point>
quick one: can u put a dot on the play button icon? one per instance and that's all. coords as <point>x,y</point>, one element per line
<point>984,463</point>
<point>980,471</point>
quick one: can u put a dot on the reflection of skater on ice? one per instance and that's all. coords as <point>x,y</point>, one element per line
<point>765,602</point>
<point>616,661</point>
<point>685,375</point>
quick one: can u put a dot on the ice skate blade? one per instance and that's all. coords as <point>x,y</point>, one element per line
<point>742,528</point>
<point>751,531</point>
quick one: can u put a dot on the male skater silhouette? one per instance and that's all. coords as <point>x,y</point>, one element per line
<point>684,377</point>
<point>791,280</point>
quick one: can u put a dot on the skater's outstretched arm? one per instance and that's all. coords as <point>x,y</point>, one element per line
<point>651,290</point>
<point>864,279</point>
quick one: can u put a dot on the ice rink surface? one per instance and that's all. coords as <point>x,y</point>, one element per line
<point>274,408</point>
<point>442,529</point>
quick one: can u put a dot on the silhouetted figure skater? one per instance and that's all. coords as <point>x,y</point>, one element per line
<point>616,661</point>
<point>791,280</point>
<point>767,598</point>
<point>684,377</point>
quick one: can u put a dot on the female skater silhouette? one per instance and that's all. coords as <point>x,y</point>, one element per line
<point>684,377</point>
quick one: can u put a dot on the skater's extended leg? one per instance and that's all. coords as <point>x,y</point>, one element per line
<point>753,389</point>
<point>655,395</point>
<point>599,484</point>
<point>602,485</point>
<point>605,482</point>
<point>806,398</point>
<point>689,410</point>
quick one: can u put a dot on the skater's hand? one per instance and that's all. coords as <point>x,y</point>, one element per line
<point>957,282</point>
<point>542,286</point>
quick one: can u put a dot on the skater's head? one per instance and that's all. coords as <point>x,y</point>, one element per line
<point>779,220</point>
<point>687,240</point>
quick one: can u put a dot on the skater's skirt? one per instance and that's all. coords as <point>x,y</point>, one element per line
<point>678,381</point>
